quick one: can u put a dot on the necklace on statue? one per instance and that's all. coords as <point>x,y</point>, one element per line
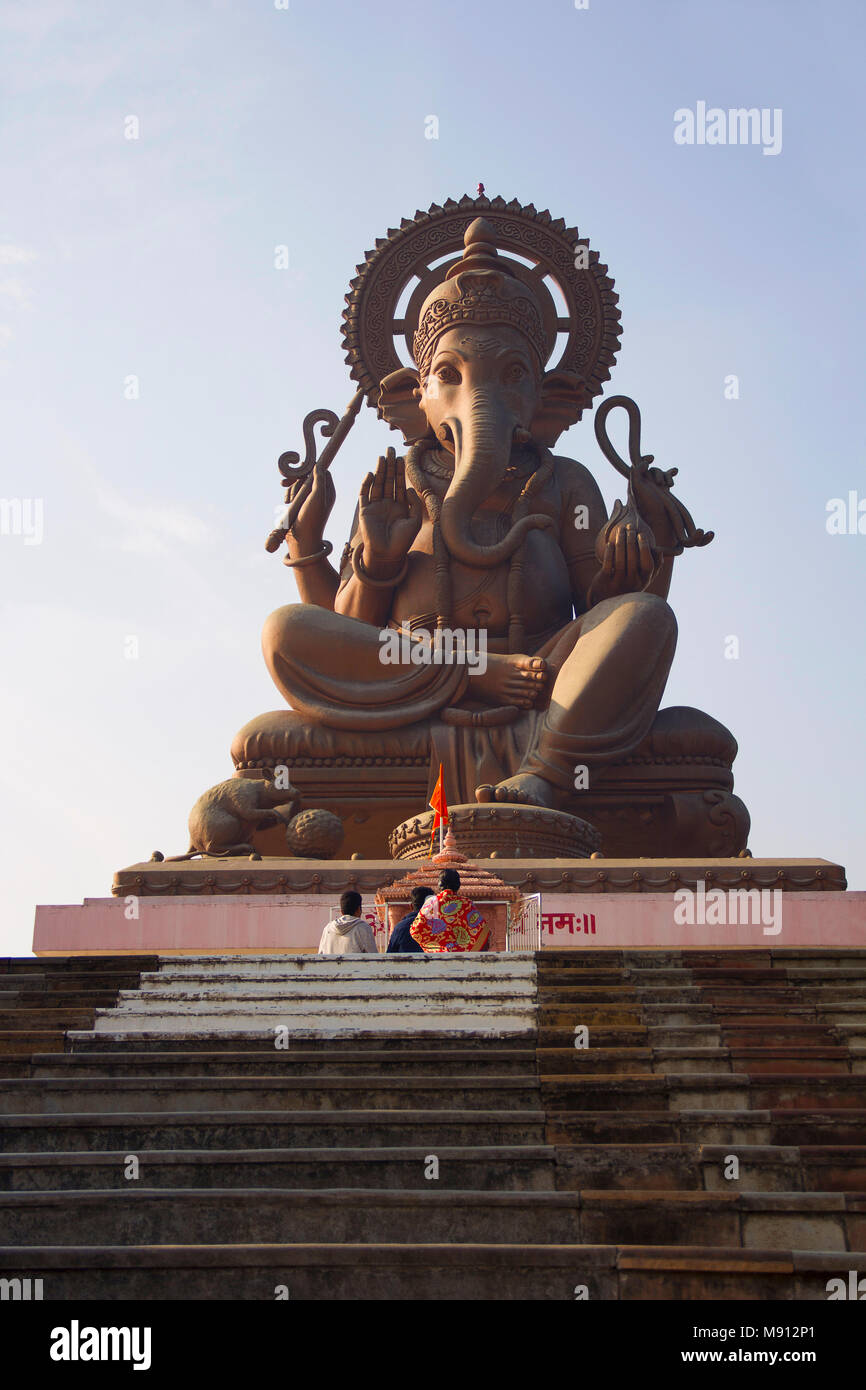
<point>439,464</point>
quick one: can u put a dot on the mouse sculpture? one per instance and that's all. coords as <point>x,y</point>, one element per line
<point>224,818</point>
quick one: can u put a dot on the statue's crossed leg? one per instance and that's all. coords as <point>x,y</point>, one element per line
<point>607,672</point>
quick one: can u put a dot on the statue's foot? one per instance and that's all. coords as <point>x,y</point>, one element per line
<point>510,680</point>
<point>524,789</point>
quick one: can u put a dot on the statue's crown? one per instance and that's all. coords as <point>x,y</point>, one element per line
<point>479,289</point>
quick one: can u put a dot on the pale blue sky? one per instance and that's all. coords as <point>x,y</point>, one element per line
<point>306,127</point>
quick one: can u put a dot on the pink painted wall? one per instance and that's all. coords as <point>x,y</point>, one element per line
<point>599,920</point>
<point>192,925</point>
<point>201,926</point>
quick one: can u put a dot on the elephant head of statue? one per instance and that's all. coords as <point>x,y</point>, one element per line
<point>479,388</point>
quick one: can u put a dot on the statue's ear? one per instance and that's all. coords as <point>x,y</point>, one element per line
<point>562,399</point>
<point>397,404</point>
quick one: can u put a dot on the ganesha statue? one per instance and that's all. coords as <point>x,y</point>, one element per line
<point>480,331</point>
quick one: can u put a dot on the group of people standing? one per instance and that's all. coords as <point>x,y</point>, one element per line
<point>438,922</point>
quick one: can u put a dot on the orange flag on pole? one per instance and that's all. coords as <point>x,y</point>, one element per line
<point>439,805</point>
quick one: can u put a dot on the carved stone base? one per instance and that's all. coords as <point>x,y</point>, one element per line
<point>673,796</point>
<point>500,830</point>
<point>631,909</point>
<point>249,878</point>
<point>708,822</point>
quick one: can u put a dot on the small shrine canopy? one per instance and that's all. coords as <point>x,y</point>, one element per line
<point>475,883</point>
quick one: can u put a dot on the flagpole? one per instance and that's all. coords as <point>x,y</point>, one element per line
<point>437,804</point>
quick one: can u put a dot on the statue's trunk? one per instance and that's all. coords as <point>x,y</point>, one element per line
<point>482,450</point>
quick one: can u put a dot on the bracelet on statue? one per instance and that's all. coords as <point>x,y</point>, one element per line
<point>308,559</point>
<point>365,578</point>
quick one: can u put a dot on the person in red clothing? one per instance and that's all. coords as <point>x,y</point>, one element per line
<point>448,922</point>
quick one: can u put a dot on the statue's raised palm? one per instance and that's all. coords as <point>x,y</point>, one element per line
<point>389,515</point>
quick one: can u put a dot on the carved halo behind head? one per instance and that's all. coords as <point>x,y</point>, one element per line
<point>422,250</point>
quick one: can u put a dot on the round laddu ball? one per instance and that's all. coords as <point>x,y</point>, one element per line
<point>314,834</point>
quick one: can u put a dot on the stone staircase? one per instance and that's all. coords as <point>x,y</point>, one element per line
<point>431,1130</point>
<point>41,999</point>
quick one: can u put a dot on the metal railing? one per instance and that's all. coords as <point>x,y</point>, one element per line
<point>523,932</point>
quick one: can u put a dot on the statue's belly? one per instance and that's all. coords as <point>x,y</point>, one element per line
<point>479,598</point>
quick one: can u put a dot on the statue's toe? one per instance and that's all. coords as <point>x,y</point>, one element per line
<point>517,791</point>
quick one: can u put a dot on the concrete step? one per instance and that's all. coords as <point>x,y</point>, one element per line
<point>751,958</point>
<point>407,1062</point>
<point>702,1167</point>
<point>491,995</point>
<point>660,1090</point>
<point>566,1017</point>
<point>802,1060</point>
<point>12,1065</point>
<point>466,965</point>
<point>719,1059</point>
<point>525,1168</point>
<point>270,1129</point>
<point>701,1091</point>
<point>520,1272</point>
<point>766,1220</point>
<point>814,1167</point>
<point>637,1036</point>
<point>170,1216</point>
<point>777,1035</point>
<point>57,999</point>
<point>41,1020</point>
<point>555,977</point>
<point>20,1042</point>
<point>163,1094</point>
<point>499,1022</point>
<point>587,972</point>
<point>261,1044</point>
<point>65,965</point>
<point>629,1166</point>
<point>778,957</point>
<point>41,1000</point>
<point>61,982</point>
<point>791,1127</point>
<point>442,1010</point>
<point>66,982</point>
<point>702,1034</point>
<point>838,1013</point>
<point>304,991</point>
<point>816,974</point>
<point>741,999</point>
<point>690,1015</point>
<point>51,982</point>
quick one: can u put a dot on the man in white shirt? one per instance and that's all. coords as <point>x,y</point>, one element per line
<point>350,934</point>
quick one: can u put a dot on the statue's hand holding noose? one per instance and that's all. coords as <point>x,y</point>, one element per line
<point>652,524</point>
